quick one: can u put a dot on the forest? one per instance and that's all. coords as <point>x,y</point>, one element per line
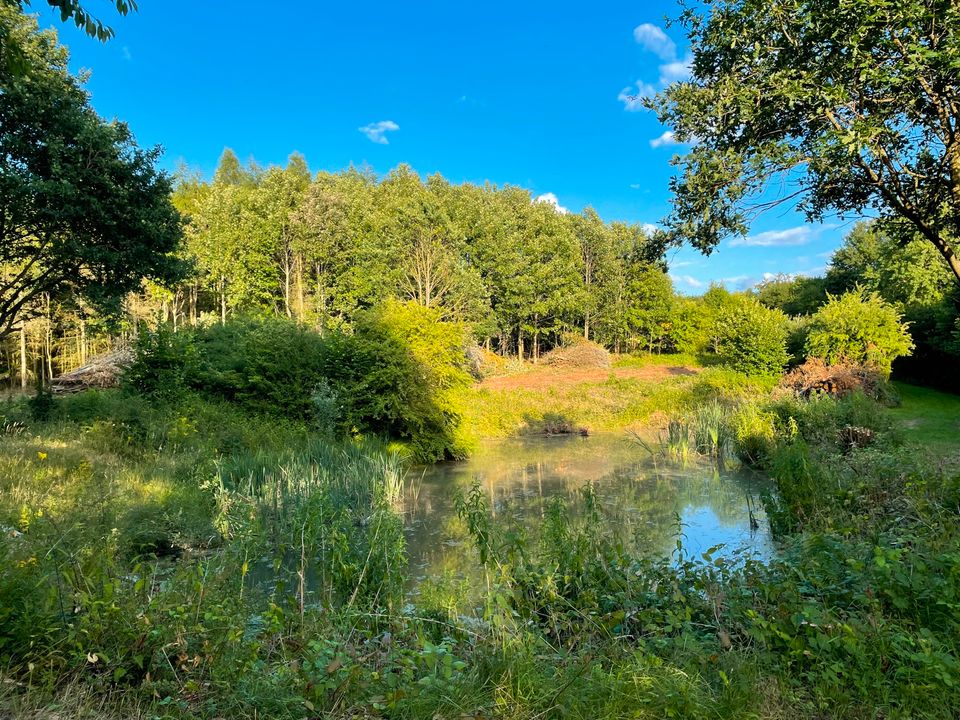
<point>277,443</point>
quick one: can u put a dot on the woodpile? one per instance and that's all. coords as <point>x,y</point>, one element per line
<point>103,371</point>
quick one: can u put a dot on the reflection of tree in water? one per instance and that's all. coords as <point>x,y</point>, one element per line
<point>640,499</point>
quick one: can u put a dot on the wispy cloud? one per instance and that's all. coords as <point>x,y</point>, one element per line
<point>126,53</point>
<point>650,228</point>
<point>739,282</point>
<point>667,138</point>
<point>653,39</point>
<point>676,71</point>
<point>800,235</point>
<point>635,186</point>
<point>688,281</point>
<point>551,199</point>
<point>632,99</point>
<point>377,132</point>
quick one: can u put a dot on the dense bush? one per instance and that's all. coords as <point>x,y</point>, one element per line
<point>752,338</point>
<point>858,328</point>
<point>397,375</point>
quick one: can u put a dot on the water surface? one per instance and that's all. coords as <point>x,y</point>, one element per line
<point>641,496</point>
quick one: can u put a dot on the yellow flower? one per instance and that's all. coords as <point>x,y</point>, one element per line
<point>41,455</point>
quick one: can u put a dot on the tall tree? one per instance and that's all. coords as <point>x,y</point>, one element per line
<point>853,104</point>
<point>83,209</point>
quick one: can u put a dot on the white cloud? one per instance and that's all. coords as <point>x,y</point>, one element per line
<point>376,132</point>
<point>633,99</point>
<point>676,71</point>
<point>667,138</point>
<point>737,281</point>
<point>551,199</point>
<point>653,39</point>
<point>635,186</point>
<point>649,228</point>
<point>126,53</point>
<point>681,264</point>
<point>687,280</point>
<point>778,238</point>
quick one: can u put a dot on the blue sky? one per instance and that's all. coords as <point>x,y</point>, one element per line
<point>529,93</point>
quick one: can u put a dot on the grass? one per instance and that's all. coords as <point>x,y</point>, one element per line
<point>609,404</point>
<point>190,560</point>
<point>929,417</point>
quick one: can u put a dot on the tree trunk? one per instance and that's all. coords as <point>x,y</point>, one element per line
<point>298,264</point>
<point>520,345</point>
<point>223,300</point>
<point>23,356</point>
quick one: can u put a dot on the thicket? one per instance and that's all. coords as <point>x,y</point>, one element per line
<point>397,375</point>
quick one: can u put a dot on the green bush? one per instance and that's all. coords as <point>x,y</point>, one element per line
<point>164,362</point>
<point>858,328</point>
<point>411,382</point>
<point>267,365</point>
<point>752,338</point>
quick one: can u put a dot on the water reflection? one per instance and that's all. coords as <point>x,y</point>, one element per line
<point>639,495</point>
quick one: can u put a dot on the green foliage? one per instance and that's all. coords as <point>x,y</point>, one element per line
<point>752,338</point>
<point>86,212</point>
<point>811,61</point>
<point>164,362</point>
<point>858,328</point>
<point>794,295</point>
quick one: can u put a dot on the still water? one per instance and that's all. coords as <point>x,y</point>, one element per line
<point>639,495</point>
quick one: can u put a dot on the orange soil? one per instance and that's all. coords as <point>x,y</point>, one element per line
<point>543,377</point>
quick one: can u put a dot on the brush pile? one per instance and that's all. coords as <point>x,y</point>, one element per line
<point>581,354</point>
<point>103,371</point>
<point>838,381</point>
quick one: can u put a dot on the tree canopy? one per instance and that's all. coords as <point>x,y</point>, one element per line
<point>83,209</point>
<point>848,106</point>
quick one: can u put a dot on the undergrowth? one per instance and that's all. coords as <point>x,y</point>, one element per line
<point>175,559</point>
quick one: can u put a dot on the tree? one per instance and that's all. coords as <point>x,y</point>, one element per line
<point>852,104</point>
<point>858,327</point>
<point>793,295</point>
<point>83,209</point>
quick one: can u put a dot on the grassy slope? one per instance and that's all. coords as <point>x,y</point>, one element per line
<point>637,392</point>
<point>929,417</point>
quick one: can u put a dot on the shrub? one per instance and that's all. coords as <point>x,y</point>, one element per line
<point>752,338</point>
<point>431,373</point>
<point>163,363</point>
<point>858,328</point>
<point>267,365</point>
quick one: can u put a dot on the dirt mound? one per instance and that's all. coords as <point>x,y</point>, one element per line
<point>583,354</point>
<point>103,371</point>
<point>815,376</point>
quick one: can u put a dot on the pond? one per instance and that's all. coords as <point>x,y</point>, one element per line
<point>640,495</point>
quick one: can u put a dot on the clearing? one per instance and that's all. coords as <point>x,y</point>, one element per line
<point>545,377</point>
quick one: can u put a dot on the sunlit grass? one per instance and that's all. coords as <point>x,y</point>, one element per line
<point>929,417</point>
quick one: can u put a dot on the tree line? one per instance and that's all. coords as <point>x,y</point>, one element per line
<point>320,249</point>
